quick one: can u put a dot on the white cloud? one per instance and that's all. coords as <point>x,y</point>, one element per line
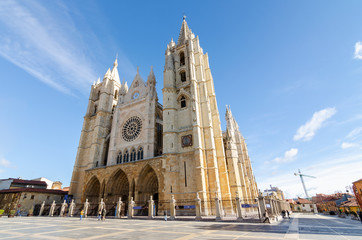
<point>307,131</point>
<point>289,156</point>
<point>4,162</point>
<point>358,50</point>
<point>331,174</point>
<point>45,44</point>
<point>348,145</point>
<point>354,133</point>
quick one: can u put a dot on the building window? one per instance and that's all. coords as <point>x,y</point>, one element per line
<point>133,155</point>
<point>98,94</point>
<point>183,76</point>
<point>32,197</point>
<point>95,109</point>
<point>183,102</point>
<point>119,158</point>
<point>182,59</point>
<point>140,153</point>
<point>126,156</point>
<point>115,94</point>
<point>48,197</point>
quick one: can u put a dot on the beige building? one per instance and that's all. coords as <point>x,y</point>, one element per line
<point>132,146</point>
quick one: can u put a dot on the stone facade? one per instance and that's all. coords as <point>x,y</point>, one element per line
<point>132,146</point>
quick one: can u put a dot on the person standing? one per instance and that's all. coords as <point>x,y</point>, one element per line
<point>99,215</point>
<point>104,214</point>
<point>81,214</point>
<point>165,213</point>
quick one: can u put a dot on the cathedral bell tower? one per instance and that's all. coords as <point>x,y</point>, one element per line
<point>95,136</point>
<point>192,137</point>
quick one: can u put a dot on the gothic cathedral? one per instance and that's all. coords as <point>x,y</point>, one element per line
<point>133,147</point>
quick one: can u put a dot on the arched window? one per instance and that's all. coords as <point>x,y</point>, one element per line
<point>95,109</point>
<point>140,153</point>
<point>133,155</point>
<point>125,156</point>
<point>116,94</point>
<point>183,102</point>
<point>113,108</point>
<point>183,76</point>
<point>119,158</point>
<point>182,59</point>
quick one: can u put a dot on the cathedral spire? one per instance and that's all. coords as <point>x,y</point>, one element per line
<point>114,74</point>
<point>151,77</point>
<point>108,74</point>
<point>185,33</point>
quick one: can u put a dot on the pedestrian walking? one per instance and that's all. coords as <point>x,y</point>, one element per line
<point>360,215</point>
<point>81,215</point>
<point>104,214</point>
<point>283,213</point>
<point>99,215</point>
<point>165,213</point>
<point>288,214</point>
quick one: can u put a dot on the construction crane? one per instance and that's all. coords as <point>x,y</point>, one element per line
<point>301,179</point>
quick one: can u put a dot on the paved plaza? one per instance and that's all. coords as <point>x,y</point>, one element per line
<point>300,226</point>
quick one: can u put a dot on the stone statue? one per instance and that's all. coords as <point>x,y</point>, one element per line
<point>71,208</point>
<point>62,209</point>
<point>41,208</point>
<point>198,207</point>
<point>86,206</point>
<point>52,208</point>
<point>151,203</point>
<point>172,208</point>
<point>101,206</point>
<point>130,208</point>
<point>119,207</point>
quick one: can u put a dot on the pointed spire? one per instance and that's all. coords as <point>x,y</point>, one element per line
<point>124,88</point>
<point>151,77</point>
<point>98,81</point>
<point>185,33</point>
<point>108,74</point>
<point>114,74</point>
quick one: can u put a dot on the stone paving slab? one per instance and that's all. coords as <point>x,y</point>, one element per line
<point>299,227</point>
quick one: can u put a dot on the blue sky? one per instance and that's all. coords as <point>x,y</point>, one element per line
<point>291,72</point>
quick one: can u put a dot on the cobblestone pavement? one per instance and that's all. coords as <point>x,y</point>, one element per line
<point>300,226</point>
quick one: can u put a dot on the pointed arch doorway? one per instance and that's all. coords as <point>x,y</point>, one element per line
<point>117,187</point>
<point>147,187</point>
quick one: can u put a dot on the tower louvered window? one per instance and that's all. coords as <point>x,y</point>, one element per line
<point>182,59</point>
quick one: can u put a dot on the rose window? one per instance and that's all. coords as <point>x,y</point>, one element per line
<point>132,129</point>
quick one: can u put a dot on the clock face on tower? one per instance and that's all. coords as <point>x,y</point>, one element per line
<point>131,129</point>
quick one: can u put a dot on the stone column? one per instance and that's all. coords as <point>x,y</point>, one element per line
<point>41,208</point>
<point>86,206</point>
<point>172,208</point>
<point>130,208</point>
<point>238,207</point>
<point>217,206</point>
<point>198,207</point>
<point>52,207</point>
<point>62,210</point>
<point>151,203</point>
<point>119,207</point>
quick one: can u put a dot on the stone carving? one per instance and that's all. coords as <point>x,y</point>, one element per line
<point>85,209</point>
<point>151,204</point>
<point>62,209</point>
<point>41,208</point>
<point>119,208</point>
<point>130,208</point>
<point>52,208</point>
<point>172,208</point>
<point>71,208</point>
